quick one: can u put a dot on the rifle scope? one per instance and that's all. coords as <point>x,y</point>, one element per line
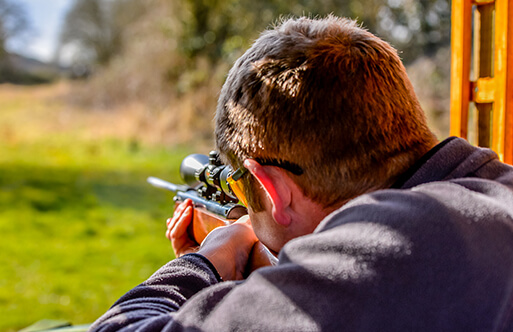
<point>209,176</point>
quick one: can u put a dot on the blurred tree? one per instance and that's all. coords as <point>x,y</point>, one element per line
<point>92,29</point>
<point>416,27</point>
<point>215,28</point>
<point>88,31</point>
<point>176,53</point>
<point>13,23</point>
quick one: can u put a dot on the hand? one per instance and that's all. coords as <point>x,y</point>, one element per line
<point>177,233</point>
<point>259,257</point>
<point>228,248</point>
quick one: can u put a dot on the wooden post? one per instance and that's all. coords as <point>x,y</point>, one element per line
<point>483,22</point>
<point>461,44</point>
<point>493,69</point>
<point>502,139</point>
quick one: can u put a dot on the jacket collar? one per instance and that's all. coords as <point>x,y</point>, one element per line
<point>452,158</point>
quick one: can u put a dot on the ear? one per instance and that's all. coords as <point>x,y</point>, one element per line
<point>276,185</point>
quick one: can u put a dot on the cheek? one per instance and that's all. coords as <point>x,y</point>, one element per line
<point>260,224</point>
<point>266,230</point>
<point>256,222</point>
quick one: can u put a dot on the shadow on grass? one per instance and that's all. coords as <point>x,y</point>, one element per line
<point>73,241</point>
<point>50,189</point>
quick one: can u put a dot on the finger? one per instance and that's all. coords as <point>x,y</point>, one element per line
<point>168,234</point>
<point>178,235</point>
<point>178,212</point>
<point>179,228</point>
<point>182,206</point>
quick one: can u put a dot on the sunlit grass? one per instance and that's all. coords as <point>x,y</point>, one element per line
<point>79,225</point>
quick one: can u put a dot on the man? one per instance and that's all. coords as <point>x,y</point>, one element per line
<point>376,226</point>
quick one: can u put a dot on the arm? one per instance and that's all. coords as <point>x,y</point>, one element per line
<point>149,306</point>
<point>389,261</point>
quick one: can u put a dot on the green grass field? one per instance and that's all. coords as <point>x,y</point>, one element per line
<point>79,225</point>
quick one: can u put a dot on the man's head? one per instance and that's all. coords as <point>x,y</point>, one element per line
<point>329,97</point>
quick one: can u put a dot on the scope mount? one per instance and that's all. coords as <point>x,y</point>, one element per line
<point>211,175</point>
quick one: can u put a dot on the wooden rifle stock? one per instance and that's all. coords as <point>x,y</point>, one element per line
<point>204,222</point>
<point>208,215</point>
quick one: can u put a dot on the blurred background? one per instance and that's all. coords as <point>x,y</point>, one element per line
<point>96,95</point>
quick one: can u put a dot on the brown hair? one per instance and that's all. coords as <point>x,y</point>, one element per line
<point>329,96</point>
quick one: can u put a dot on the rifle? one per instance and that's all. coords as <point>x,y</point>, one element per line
<point>214,203</point>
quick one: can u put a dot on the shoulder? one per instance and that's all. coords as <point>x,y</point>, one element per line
<point>459,227</point>
<point>425,205</point>
<point>426,249</point>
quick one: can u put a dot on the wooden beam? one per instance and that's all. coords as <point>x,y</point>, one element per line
<point>461,42</point>
<point>508,91</point>
<point>483,90</point>
<point>502,139</point>
<point>483,2</point>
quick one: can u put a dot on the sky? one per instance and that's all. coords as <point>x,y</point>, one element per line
<point>45,17</point>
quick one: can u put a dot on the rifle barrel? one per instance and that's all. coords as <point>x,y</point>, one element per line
<point>159,183</point>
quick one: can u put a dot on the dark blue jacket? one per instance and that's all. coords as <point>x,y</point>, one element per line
<point>434,253</point>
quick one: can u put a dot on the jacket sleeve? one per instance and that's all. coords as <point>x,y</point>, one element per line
<point>438,257</point>
<point>151,305</point>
